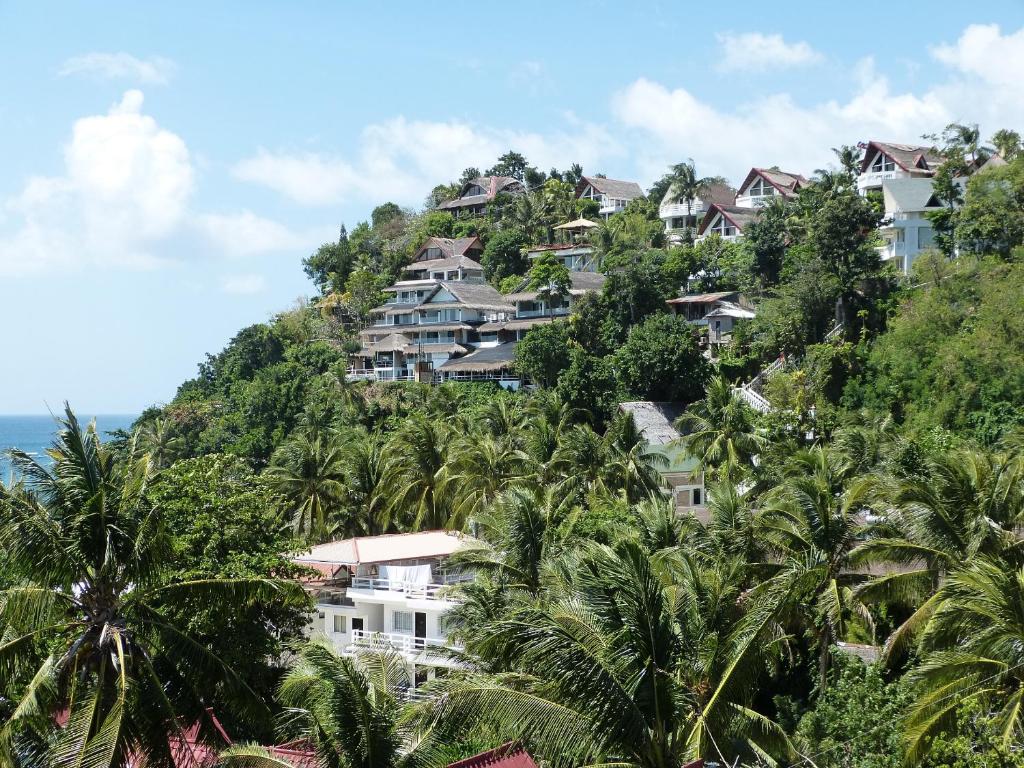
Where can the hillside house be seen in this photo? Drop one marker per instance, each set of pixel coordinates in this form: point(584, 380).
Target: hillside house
point(611, 194)
point(656, 420)
point(726, 221)
point(884, 161)
point(717, 312)
point(762, 185)
point(475, 194)
point(680, 215)
point(906, 228)
point(387, 591)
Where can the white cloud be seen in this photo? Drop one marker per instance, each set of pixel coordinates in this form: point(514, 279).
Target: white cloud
point(402, 159)
point(979, 85)
point(757, 52)
point(245, 233)
point(126, 185)
point(155, 70)
point(244, 284)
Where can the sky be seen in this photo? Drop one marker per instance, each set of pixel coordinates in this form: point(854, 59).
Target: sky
point(164, 168)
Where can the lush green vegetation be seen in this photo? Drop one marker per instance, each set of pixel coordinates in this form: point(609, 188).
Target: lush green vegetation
point(878, 504)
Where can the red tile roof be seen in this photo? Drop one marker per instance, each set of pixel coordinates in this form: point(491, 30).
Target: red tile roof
point(509, 755)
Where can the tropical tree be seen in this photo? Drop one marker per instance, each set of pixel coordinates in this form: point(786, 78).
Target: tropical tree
point(418, 459)
point(159, 439)
point(686, 186)
point(627, 665)
point(366, 491)
point(349, 711)
point(719, 431)
point(88, 628)
point(973, 651)
point(309, 473)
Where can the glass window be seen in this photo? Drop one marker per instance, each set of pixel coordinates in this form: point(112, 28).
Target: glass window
point(339, 623)
point(401, 622)
point(696, 497)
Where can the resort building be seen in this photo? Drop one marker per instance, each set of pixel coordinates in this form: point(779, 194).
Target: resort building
point(656, 420)
point(885, 161)
point(681, 215)
point(612, 195)
point(388, 591)
point(762, 185)
point(906, 230)
point(716, 313)
point(726, 221)
point(574, 250)
point(475, 194)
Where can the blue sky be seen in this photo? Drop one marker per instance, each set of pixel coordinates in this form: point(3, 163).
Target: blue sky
point(163, 170)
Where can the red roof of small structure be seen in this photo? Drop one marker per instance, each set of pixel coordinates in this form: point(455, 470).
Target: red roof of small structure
point(510, 755)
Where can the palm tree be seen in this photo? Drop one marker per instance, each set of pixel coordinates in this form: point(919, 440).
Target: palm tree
point(966, 504)
point(685, 187)
point(365, 485)
point(719, 431)
point(349, 711)
point(973, 650)
point(87, 636)
point(309, 473)
point(480, 468)
point(157, 438)
point(632, 467)
point(417, 467)
point(628, 664)
point(811, 524)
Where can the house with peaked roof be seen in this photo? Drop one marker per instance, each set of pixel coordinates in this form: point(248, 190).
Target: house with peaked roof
point(475, 194)
point(906, 229)
point(509, 755)
point(718, 312)
point(680, 215)
point(726, 221)
point(762, 185)
point(656, 422)
point(885, 160)
point(387, 591)
point(611, 194)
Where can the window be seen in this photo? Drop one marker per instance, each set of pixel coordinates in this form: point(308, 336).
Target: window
point(683, 497)
point(761, 188)
point(882, 163)
point(723, 227)
point(401, 622)
point(433, 253)
point(696, 497)
point(339, 623)
point(474, 189)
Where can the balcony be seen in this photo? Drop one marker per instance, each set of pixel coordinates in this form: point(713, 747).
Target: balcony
point(407, 588)
point(754, 201)
point(674, 210)
point(874, 179)
point(362, 638)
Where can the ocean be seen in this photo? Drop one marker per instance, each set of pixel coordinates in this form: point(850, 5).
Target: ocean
point(33, 434)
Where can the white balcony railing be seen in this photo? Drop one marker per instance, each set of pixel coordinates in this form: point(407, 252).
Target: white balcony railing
point(753, 201)
point(401, 643)
point(672, 210)
point(408, 588)
point(875, 178)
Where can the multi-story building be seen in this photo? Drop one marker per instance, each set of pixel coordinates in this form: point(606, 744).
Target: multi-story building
point(759, 188)
point(906, 229)
point(388, 591)
point(433, 316)
point(885, 161)
point(611, 195)
point(681, 215)
point(475, 194)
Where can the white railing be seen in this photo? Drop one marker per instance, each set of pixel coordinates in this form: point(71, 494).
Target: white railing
point(758, 402)
point(875, 178)
point(836, 332)
point(400, 642)
point(672, 210)
point(426, 591)
point(753, 201)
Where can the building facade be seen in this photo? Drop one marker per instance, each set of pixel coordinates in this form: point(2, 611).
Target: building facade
point(611, 195)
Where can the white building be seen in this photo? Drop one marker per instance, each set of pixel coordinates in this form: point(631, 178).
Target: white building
point(906, 229)
point(681, 215)
point(389, 590)
point(761, 186)
point(885, 161)
point(611, 195)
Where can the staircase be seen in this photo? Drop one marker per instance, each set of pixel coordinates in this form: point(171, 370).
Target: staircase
point(750, 393)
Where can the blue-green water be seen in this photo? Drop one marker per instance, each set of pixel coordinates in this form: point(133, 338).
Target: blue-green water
point(33, 434)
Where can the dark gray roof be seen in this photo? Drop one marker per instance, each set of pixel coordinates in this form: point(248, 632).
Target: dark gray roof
point(623, 190)
point(475, 296)
point(909, 157)
point(655, 419)
point(483, 359)
point(579, 283)
point(491, 185)
point(449, 246)
point(740, 217)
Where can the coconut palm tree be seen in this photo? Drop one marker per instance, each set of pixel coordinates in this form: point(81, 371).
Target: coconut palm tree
point(686, 186)
point(417, 467)
point(86, 637)
point(365, 485)
point(719, 431)
point(309, 473)
point(158, 439)
point(480, 467)
point(810, 524)
point(966, 504)
point(628, 665)
point(632, 467)
point(349, 711)
point(973, 650)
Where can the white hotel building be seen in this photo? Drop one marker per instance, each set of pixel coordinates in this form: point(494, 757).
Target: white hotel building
point(388, 590)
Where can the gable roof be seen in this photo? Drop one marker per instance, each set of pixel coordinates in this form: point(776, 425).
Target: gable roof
point(449, 246)
point(492, 186)
point(471, 295)
point(905, 195)
point(510, 755)
point(483, 359)
point(786, 183)
point(734, 214)
point(623, 190)
point(716, 192)
point(382, 549)
point(579, 283)
point(655, 419)
point(704, 298)
point(454, 262)
point(909, 157)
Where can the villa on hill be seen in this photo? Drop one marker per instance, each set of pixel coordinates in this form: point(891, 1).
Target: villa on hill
point(759, 188)
point(611, 195)
point(475, 194)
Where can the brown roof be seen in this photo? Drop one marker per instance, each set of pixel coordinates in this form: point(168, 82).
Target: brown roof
point(737, 216)
point(440, 327)
point(454, 262)
point(446, 346)
point(483, 359)
point(579, 283)
point(450, 246)
point(509, 755)
point(473, 295)
point(492, 185)
point(715, 192)
point(623, 190)
point(909, 157)
point(515, 325)
point(786, 183)
point(703, 298)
